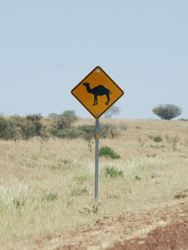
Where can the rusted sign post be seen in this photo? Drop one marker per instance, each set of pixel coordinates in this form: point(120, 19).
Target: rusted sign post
point(97, 92)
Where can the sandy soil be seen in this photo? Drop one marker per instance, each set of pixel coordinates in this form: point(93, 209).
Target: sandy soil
point(162, 228)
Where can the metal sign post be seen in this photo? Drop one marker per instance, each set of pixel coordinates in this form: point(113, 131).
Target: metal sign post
point(97, 92)
point(97, 129)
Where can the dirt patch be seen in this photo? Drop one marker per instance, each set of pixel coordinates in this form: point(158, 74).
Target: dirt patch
point(162, 228)
point(173, 236)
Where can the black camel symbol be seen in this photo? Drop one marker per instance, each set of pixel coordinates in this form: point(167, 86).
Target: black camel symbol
point(99, 90)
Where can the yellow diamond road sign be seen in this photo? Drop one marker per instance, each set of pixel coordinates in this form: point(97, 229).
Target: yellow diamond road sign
point(97, 92)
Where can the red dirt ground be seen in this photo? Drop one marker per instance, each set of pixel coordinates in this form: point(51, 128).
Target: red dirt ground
point(162, 228)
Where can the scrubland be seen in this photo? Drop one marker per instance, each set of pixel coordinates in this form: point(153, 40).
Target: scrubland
point(47, 186)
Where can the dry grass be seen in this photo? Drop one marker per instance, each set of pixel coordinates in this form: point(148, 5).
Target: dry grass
point(46, 187)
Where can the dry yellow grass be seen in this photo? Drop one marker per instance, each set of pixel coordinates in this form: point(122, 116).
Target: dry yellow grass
point(47, 187)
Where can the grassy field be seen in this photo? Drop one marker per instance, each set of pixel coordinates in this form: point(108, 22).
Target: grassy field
point(47, 187)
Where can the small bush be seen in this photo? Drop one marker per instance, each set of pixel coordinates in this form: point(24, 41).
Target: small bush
point(19, 203)
point(181, 194)
point(108, 153)
point(137, 178)
point(156, 138)
point(8, 129)
point(113, 172)
point(167, 111)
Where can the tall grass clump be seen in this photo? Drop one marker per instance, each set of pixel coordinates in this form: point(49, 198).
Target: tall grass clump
point(50, 196)
point(113, 172)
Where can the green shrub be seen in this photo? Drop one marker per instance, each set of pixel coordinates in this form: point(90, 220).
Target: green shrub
point(167, 111)
point(33, 125)
point(19, 203)
point(137, 178)
point(108, 153)
point(8, 129)
point(28, 130)
point(113, 172)
point(156, 138)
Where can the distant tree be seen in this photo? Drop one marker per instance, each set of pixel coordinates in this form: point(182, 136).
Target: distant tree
point(61, 122)
point(8, 129)
point(114, 110)
point(167, 111)
point(68, 118)
point(32, 126)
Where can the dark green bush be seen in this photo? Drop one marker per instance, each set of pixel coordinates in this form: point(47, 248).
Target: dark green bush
point(156, 138)
point(8, 129)
point(29, 126)
point(167, 111)
point(34, 124)
point(108, 153)
point(19, 203)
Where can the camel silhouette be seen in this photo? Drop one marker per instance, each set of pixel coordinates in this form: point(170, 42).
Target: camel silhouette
point(99, 90)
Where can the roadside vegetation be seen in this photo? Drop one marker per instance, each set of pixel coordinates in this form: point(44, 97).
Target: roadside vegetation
point(47, 186)
point(47, 171)
point(167, 111)
point(54, 126)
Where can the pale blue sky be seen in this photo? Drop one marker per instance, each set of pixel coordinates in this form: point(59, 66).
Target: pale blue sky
point(47, 47)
